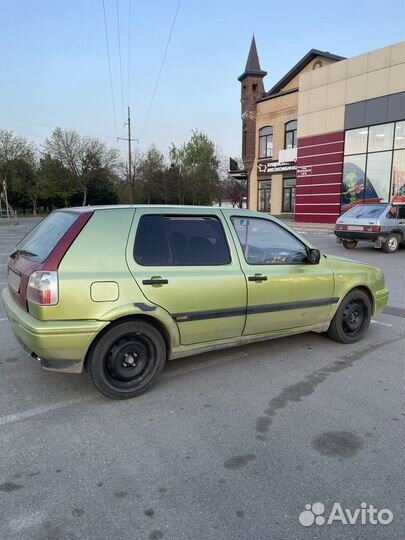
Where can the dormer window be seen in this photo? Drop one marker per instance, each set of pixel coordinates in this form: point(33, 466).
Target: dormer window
point(266, 142)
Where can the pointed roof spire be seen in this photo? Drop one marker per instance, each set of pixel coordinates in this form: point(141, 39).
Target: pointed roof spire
point(252, 64)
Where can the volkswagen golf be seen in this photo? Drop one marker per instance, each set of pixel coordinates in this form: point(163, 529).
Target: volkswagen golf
point(119, 290)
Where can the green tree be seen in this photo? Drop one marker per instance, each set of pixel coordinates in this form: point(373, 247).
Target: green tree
point(153, 178)
point(17, 168)
point(197, 164)
point(81, 156)
point(57, 182)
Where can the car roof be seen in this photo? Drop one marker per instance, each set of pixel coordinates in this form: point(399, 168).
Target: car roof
point(164, 207)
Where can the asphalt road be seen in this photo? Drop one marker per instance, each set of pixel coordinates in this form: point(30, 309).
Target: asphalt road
point(228, 445)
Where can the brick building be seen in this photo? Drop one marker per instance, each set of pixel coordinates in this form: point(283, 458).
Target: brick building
point(329, 134)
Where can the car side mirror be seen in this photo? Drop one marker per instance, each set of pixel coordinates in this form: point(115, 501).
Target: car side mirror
point(313, 256)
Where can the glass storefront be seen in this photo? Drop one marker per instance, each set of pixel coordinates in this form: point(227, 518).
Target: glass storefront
point(374, 164)
point(265, 195)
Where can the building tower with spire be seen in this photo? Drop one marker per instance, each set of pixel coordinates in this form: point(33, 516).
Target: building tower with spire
point(252, 88)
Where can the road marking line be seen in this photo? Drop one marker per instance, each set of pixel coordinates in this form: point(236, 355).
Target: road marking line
point(380, 323)
point(4, 319)
point(11, 418)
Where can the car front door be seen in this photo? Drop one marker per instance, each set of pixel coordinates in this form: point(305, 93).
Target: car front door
point(284, 289)
point(183, 261)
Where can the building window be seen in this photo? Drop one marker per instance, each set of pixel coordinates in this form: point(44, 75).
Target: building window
point(291, 134)
point(398, 174)
point(266, 142)
point(374, 164)
point(289, 194)
point(244, 139)
point(264, 196)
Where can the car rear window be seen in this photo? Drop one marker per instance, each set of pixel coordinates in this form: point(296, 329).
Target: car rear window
point(181, 241)
point(366, 211)
point(42, 240)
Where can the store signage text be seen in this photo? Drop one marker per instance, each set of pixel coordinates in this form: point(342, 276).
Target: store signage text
point(272, 167)
point(304, 170)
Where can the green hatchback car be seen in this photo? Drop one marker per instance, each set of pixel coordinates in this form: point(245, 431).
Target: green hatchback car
point(119, 290)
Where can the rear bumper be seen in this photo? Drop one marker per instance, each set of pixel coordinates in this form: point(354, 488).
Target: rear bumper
point(355, 235)
point(60, 345)
point(381, 300)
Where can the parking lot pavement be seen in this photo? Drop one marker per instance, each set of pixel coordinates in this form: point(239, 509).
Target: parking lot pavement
point(227, 445)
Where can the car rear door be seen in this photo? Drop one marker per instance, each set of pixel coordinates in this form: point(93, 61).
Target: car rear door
point(185, 262)
point(284, 289)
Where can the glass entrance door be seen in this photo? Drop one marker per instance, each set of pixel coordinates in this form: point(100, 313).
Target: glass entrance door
point(265, 196)
point(289, 194)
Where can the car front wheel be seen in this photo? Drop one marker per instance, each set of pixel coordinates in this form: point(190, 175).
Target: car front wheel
point(352, 318)
point(127, 359)
point(391, 244)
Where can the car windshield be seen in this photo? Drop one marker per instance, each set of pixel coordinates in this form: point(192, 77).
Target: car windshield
point(366, 211)
point(39, 243)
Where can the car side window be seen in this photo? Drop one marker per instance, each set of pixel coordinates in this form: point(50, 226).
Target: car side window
point(265, 242)
point(393, 212)
point(181, 241)
point(401, 212)
point(151, 242)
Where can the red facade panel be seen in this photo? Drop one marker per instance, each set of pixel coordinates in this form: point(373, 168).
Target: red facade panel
point(319, 177)
point(323, 158)
point(306, 151)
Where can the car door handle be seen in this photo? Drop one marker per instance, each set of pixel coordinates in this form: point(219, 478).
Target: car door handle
point(257, 277)
point(155, 280)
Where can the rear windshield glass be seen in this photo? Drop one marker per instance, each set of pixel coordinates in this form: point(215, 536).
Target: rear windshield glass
point(366, 211)
point(46, 235)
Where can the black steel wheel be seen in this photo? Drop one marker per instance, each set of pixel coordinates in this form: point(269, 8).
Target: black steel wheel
point(352, 318)
point(127, 359)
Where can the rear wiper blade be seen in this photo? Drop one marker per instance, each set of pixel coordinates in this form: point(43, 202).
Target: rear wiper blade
point(23, 252)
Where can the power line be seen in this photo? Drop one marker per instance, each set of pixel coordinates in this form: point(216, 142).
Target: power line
point(129, 49)
point(160, 70)
point(120, 57)
point(109, 69)
point(24, 121)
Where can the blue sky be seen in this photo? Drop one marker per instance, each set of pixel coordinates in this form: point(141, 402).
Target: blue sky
point(54, 69)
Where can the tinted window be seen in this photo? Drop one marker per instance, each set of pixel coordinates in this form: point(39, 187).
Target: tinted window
point(265, 242)
point(47, 234)
point(151, 244)
point(181, 241)
point(366, 211)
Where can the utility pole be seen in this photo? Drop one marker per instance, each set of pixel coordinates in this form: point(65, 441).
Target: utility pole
point(129, 150)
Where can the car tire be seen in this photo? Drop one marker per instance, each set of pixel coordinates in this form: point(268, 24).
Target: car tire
point(349, 244)
point(127, 359)
point(391, 244)
point(352, 318)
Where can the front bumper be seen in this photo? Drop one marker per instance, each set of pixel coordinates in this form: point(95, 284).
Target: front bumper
point(60, 345)
point(380, 300)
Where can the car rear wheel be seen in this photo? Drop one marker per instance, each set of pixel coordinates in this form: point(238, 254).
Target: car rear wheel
point(349, 244)
point(391, 244)
point(127, 359)
point(352, 318)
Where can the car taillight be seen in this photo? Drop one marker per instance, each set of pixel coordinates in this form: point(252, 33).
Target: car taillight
point(372, 228)
point(339, 227)
point(43, 288)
